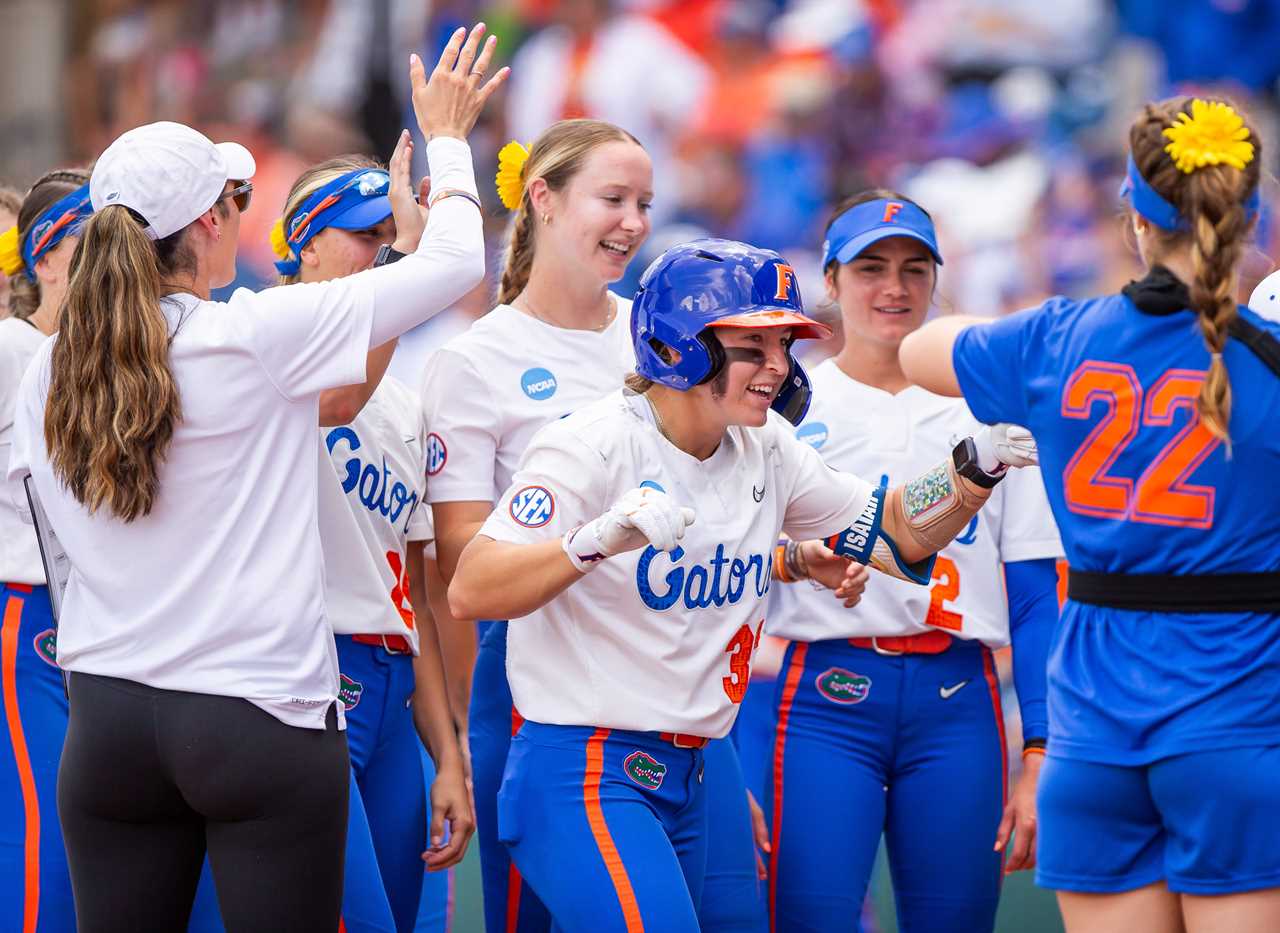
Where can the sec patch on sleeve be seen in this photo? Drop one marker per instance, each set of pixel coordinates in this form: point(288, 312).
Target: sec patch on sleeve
point(437, 454)
point(533, 506)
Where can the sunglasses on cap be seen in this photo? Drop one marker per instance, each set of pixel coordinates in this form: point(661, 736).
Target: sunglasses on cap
point(242, 195)
point(373, 182)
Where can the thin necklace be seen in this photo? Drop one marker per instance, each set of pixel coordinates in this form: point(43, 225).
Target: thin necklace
point(608, 316)
point(657, 419)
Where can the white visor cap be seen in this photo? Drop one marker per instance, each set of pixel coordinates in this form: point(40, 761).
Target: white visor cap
point(168, 173)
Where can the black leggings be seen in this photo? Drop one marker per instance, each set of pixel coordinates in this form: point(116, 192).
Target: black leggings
point(151, 778)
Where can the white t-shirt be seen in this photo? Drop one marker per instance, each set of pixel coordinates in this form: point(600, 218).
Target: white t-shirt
point(19, 552)
point(371, 485)
point(220, 589)
point(488, 390)
point(651, 640)
point(894, 438)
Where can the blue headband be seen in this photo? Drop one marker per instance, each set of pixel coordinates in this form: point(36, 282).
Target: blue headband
point(867, 223)
point(59, 220)
point(356, 200)
point(1150, 204)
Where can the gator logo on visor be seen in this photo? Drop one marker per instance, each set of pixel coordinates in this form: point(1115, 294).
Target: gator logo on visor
point(645, 770)
point(46, 645)
point(349, 692)
point(843, 687)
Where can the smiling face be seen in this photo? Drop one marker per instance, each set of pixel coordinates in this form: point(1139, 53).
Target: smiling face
point(333, 253)
point(757, 367)
point(885, 291)
point(601, 216)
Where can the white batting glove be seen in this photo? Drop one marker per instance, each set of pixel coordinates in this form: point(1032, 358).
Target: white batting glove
point(1005, 445)
point(643, 516)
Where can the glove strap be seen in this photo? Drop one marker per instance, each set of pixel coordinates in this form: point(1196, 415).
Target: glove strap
point(583, 547)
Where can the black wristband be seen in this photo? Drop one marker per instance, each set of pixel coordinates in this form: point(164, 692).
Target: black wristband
point(1034, 743)
point(965, 459)
point(387, 255)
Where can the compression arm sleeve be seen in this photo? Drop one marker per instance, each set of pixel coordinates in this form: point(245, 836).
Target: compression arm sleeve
point(1033, 614)
point(865, 541)
point(449, 261)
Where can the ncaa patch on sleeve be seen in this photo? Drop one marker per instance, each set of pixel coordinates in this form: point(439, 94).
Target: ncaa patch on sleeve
point(533, 506)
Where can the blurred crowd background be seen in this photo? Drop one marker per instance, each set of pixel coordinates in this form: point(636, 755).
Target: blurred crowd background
point(1005, 118)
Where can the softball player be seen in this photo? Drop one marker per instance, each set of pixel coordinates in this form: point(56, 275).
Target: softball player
point(1154, 411)
point(34, 884)
point(888, 713)
point(635, 624)
point(557, 341)
point(206, 715)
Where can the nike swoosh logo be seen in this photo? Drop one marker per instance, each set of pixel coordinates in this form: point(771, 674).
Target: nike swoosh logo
point(757, 494)
point(948, 692)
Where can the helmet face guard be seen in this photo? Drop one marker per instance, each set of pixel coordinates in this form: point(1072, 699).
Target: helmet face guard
point(795, 395)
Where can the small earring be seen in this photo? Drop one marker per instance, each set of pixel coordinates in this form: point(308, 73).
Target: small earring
point(546, 218)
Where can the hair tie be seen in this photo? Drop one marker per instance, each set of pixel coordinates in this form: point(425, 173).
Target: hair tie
point(510, 178)
point(1214, 134)
point(10, 252)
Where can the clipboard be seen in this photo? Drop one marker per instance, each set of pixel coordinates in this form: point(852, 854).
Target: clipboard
point(57, 565)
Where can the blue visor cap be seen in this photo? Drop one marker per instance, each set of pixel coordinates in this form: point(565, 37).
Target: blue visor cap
point(864, 224)
point(354, 201)
point(61, 219)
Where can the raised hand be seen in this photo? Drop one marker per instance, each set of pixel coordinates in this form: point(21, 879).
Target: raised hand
point(410, 215)
point(448, 103)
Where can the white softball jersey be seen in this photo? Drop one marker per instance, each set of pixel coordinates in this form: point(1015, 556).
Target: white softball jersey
point(372, 480)
point(488, 390)
point(892, 438)
point(19, 552)
point(652, 640)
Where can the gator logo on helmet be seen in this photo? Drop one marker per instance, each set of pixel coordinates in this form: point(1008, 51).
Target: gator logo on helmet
point(349, 691)
point(46, 645)
point(843, 687)
point(645, 770)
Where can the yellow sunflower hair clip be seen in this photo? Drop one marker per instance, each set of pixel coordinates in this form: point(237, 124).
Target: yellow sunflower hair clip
point(10, 252)
point(510, 180)
point(1214, 134)
point(279, 245)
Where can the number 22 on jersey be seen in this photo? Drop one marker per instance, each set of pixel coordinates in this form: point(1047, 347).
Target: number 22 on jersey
point(1161, 495)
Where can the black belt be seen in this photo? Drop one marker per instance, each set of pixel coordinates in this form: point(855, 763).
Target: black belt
point(1166, 592)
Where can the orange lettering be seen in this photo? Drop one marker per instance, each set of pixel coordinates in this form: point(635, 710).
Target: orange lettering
point(786, 281)
point(891, 211)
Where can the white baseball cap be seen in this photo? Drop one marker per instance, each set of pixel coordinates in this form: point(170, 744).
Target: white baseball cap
point(168, 173)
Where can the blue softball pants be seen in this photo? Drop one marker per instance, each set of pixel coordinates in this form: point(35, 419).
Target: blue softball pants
point(35, 885)
point(908, 746)
point(608, 826)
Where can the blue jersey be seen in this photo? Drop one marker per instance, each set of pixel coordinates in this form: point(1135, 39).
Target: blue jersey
point(1139, 486)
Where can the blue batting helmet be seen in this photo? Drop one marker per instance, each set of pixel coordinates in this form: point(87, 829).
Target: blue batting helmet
point(710, 283)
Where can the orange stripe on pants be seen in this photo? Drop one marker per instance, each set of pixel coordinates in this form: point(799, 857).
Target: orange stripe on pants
point(513, 898)
point(993, 685)
point(30, 805)
point(794, 673)
point(603, 838)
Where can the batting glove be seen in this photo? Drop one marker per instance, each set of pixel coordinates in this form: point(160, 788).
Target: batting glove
point(643, 516)
point(1005, 445)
